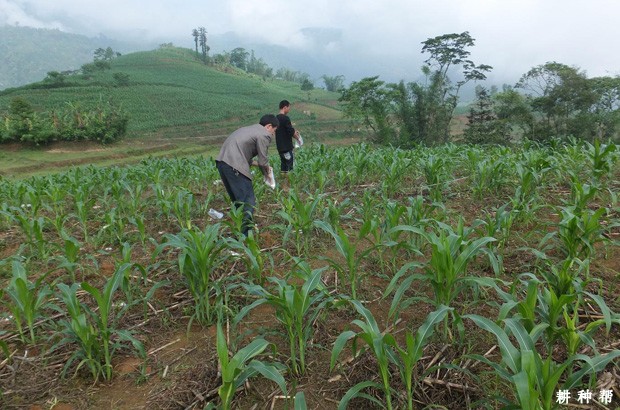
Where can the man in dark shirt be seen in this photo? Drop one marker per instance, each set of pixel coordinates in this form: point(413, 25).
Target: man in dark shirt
point(236, 157)
point(284, 137)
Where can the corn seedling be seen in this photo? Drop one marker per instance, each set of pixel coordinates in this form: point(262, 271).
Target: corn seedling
point(200, 254)
point(242, 366)
point(94, 330)
point(534, 379)
point(296, 307)
point(252, 256)
point(298, 214)
point(182, 209)
point(350, 269)
point(26, 301)
point(386, 350)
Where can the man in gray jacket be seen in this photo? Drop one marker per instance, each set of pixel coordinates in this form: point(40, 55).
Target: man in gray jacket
point(235, 158)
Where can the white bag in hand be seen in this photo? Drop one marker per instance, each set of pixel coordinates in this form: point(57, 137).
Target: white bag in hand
point(270, 180)
point(299, 141)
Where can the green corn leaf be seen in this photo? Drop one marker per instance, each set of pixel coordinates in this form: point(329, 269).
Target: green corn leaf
point(339, 344)
point(354, 392)
point(509, 353)
point(271, 373)
point(300, 401)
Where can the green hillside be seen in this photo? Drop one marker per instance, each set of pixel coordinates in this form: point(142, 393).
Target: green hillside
point(168, 87)
point(27, 54)
point(176, 106)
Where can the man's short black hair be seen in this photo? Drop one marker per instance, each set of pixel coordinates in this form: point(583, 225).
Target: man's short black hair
point(269, 119)
point(284, 103)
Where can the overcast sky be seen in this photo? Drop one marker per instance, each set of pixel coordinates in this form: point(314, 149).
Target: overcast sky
point(511, 35)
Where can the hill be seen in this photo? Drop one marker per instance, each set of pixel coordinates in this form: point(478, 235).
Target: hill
point(176, 106)
point(169, 87)
point(27, 53)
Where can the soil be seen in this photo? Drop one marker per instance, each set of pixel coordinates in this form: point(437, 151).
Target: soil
point(180, 370)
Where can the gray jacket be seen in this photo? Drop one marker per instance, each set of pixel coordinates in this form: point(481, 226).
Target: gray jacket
point(243, 145)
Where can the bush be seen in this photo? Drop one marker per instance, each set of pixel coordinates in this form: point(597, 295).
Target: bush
point(105, 123)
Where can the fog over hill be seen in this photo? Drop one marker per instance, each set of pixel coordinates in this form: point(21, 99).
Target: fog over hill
point(28, 54)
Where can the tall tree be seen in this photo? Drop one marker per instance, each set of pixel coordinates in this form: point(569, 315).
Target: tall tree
point(333, 83)
point(559, 94)
point(369, 101)
point(606, 108)
point(202, 40)
point(446, 52)
point(195, 34)
point(239, 58)
point(512, 108)
point(406, 114)
point(483, 125)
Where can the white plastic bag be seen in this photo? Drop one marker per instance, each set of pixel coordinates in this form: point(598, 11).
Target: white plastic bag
point(215, 214)
point(299, 141)
point(270, 180)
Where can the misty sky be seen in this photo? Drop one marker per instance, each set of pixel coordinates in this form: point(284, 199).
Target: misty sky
point(512, 36)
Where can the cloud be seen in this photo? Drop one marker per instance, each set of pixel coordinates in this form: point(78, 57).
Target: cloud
point(511, 35)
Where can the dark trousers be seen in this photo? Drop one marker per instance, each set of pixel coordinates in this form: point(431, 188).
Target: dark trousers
point(286, 161)
point(240, 191)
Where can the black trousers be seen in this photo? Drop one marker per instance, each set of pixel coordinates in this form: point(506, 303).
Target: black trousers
point(286, 161)
point(240, 191)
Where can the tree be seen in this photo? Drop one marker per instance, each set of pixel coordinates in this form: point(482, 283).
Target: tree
point(307, 85)
point(407, 114)
point(446, 52)
point(512, 108)
point(239, 58)
point(107, 54)
point(202, 40)
point(195, 34)
point(606, 109)
point(333, 83)
point(559, 94)
point(369, 101)
point(55, 78)
point(20, 119)
point(483, 125)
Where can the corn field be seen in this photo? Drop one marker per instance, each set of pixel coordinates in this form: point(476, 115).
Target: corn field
point(445, 277)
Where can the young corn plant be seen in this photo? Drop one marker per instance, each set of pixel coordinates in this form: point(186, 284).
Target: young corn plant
point(488, 176)
point(298, 214)
point(386, 351)
point(558, 313)
point(297, 307)
point(381, 345)
point(32, 227)
point(235, 221)
point(410, 354)
point(242, 366)
point(434, 171)
point(526, 199)
point(94, 330)
point(579, 234)
point(252, 256)
point(533, 379)
point(352, 260)
point(182, 209)
point(83, 204)
point(602, 159)
point(200, 254)
point(446, 272)
point(71, 255)
point(27, 300)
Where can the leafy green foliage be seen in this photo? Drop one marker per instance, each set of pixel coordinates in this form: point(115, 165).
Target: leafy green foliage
point(200, 253)
point(297, 308)
point(94, 331)
point(242, 366)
